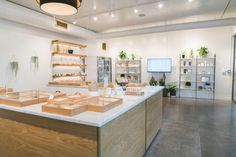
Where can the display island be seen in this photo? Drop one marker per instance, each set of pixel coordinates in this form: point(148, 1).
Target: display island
point(127, 130)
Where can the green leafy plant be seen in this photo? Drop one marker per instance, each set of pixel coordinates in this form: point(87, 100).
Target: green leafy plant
point(162, 82)
point(133, 56)
point(191, 53)
point(35, 62)
point(153, 82)
point(14, 67)
point(171, 87)
point(203, 51)
point(122, 55)
point(188, 84)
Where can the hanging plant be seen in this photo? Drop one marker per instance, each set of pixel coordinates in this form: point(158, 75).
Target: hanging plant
point(203, 51)
point(35, 62)
point(122, 55)
point(14, 67)
point(182, 53)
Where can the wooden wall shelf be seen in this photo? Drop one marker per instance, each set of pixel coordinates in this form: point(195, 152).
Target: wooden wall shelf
point(71, 76)
point(82, 83)
point(70, 65)
point(68, 54)
point(60, 42)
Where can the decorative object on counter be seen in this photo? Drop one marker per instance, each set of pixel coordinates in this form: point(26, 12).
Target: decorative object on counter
point(14, 67)
point(171, 87)
point(26, 98)
point(55, 7)
point(203, 51)
point(153, 82)
point(75, 104)
point(182, 53)
point(122, 55)
point(35, 61)
point(136, 91)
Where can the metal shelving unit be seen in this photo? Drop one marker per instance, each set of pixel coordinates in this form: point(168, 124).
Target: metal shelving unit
point(104, 65)
point(197, 78)
point(130, 69)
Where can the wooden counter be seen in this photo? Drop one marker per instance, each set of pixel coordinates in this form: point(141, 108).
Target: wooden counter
point(128, 135)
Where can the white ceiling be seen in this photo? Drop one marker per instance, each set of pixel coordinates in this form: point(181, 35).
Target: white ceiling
point(173, 12)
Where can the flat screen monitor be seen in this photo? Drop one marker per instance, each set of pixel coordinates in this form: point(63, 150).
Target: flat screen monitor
point(159, 65)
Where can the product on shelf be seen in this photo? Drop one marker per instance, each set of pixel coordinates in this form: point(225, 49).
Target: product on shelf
point(134, 91)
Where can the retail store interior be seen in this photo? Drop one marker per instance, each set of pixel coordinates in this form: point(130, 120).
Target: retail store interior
point(127, 78)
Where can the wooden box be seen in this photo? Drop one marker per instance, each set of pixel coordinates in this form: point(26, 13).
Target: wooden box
point(75, 104)
point(26, 98)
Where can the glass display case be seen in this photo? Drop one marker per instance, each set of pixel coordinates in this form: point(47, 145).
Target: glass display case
point(104, 65)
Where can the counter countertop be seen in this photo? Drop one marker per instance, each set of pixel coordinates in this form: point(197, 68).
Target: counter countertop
point(88, 117)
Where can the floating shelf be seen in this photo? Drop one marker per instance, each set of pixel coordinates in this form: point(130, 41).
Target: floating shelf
point(70, 76)
point(82, 83)
point(60, 42)
point(70, 65)
point(68, 54)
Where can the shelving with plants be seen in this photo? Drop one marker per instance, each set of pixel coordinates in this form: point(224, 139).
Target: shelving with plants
point(197, 75)
point(67, 62)
point(128, 69)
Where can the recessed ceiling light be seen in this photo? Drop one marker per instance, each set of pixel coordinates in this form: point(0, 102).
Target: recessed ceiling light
point(190, 0)
point(95, 18)
point(160, 5)
point(135, 10)
point(112, 14)
point(94, 7)
point(74, 22)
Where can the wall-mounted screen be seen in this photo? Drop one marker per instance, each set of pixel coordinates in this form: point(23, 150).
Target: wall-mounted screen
point(159, 65)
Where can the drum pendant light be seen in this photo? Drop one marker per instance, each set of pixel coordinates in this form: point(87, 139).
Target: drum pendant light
point(60, 7)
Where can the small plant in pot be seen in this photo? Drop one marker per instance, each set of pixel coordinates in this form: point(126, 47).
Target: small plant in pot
point(203, 52)
point(163, 83)
point(191, 53)
point(188, 84)
point(182, 53)
point(122, 55)
point(153, 82)
point(171, 87)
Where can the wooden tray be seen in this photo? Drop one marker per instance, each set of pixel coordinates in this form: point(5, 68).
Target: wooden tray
point(26, 98)
point(5, 90)
point(75, 104)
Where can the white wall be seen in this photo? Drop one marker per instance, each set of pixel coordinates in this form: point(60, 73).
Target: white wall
point(169, 44)
point(20, 42)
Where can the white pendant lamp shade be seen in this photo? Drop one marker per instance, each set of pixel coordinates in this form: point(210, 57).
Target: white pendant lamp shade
point(60, 7)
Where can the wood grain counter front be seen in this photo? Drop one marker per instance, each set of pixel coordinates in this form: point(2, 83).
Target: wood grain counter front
point(129, 135)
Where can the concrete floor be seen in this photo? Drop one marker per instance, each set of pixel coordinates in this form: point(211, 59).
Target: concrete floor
point(196, 129)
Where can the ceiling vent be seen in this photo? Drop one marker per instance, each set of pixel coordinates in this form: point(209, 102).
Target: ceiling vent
point(61, 24)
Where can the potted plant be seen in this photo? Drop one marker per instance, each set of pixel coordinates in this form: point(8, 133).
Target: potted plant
point(153, 82)
point(182, 53)
point(133, 56)
point(203, 51)
point(122, 55)
point(171, 87)
point(191, 53)
point(163, 83)
point(188, 84)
